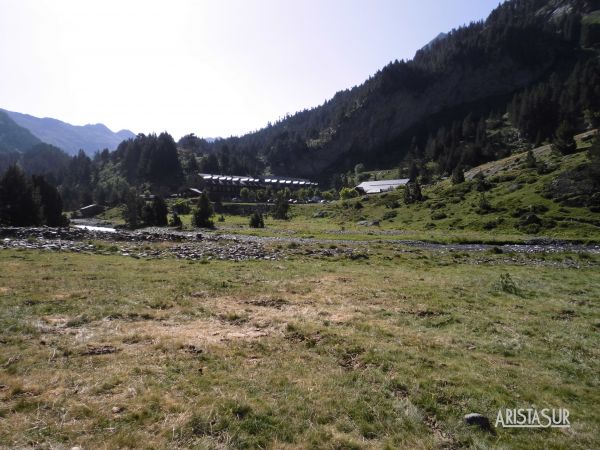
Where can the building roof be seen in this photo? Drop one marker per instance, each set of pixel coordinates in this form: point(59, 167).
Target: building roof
point(375, 187)
point(249, 181)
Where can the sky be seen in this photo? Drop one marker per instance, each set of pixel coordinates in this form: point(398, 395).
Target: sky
point(214, 68)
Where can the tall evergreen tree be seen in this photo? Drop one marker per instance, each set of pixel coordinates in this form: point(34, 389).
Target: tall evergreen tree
point(563, 141)
point(18, 205)
point(50, 202)
point(159, 208)
point(281, 207)
point(133, 209)
point(201, 216)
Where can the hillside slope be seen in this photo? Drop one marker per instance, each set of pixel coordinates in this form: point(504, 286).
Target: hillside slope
point(510, 200)
point(70, 138)
point(473, 70)
point(14, 138)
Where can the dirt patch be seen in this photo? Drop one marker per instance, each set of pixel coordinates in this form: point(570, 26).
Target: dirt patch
point(101, 350)
point(277, 303)
point(198, 332)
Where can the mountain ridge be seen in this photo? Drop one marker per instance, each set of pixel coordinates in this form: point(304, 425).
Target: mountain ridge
point(476, 63)
point(70, 138)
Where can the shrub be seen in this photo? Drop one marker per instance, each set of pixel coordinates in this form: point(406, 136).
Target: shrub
point(175, 220)
point(181, 207)
point(484, 204)
point(347, 193)
point(458, 175)
point(483, 185)
point(530, 161)
point(389, 215)
point(506, 284)
point(256, 220)
point(412, 193)
point(438, 215)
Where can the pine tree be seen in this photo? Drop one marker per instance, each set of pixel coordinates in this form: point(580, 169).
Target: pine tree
point(281, 207)
point(159, 208)
point(201, 216)
point(256, 220)
point(148, 217)
point(563, 141)
point(18, 205)
point(133, 209)
point(50, 202)
point(458, 176)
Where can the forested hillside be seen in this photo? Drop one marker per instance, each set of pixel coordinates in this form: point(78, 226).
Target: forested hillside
point(535, 59)
point(528, 74)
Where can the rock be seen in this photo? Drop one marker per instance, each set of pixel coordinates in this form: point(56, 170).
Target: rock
point(117, 409)
point(480, 420)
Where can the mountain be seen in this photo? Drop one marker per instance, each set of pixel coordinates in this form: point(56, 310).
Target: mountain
point(14, 138)
point(540, 56)
point(70, 138)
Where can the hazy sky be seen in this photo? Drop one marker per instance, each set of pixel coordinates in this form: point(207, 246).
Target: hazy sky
point(214, 68)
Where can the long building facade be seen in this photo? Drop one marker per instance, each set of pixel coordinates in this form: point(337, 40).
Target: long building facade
point(231, 185)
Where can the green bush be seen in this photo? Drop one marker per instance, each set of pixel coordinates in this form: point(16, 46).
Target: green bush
point(347, 193)
point(257, 221)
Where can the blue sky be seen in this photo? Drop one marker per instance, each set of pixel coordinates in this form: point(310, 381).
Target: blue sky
point(214, 68)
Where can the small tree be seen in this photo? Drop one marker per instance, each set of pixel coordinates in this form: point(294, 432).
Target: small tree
point(412, 193)
point(413, 171)
point(563, 140)
point(484, 204)
point(50, 202)
point(256, 220)
point(133, 209)
point(458, 175)
point(530, 161)
point(281, 208)
point(348, 193)
point(148, 217)
point(175, 221)
point(359, 168)
point(159, 208)
point(244, 193)
point(18, 204)
point(482, 184)
point(202, 214)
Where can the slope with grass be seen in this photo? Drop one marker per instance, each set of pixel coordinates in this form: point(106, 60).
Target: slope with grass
point(509, 201)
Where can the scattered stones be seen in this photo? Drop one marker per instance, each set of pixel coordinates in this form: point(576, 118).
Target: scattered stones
point(208, 246)
point(117, 409)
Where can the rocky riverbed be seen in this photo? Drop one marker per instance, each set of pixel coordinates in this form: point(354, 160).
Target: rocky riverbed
point(208, 245)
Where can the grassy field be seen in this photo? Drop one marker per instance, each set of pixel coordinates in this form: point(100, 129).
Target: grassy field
point(388, 351)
